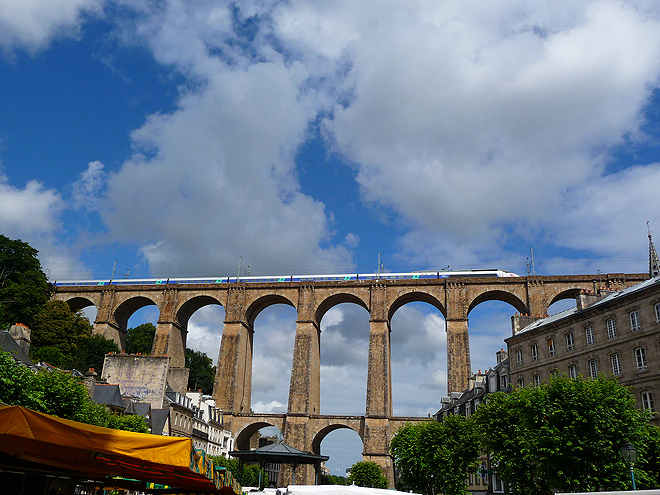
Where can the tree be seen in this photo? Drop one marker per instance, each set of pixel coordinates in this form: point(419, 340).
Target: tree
point(566, 435)
point(433, 457)
point(245, 474)
point(24, 287)
point(57, 326)
point(91, 351)
point(202, 371)
point(140, 339)
point(368, 474)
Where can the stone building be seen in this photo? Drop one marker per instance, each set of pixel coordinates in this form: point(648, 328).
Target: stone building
point(608, 332)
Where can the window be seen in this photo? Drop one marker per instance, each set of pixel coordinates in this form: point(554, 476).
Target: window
point(616, 364)
point(593, 368)
point(554, 372)
point(611, 328)
point(589, 331)
point(657, 312)
point(640, 358)
point(551, 347)
point(519, 358)
point(535, 352)
point(634, 321)
point(647, 401)
point(572, 371)
point(521, 382)
point(537, 380)
point(503, 382)
point(569, 341)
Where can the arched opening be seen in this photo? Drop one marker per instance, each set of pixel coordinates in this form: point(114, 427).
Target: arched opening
point(250, 437)
point(135, 312)
point(489, 325)
point(205, 330)
point(419, 358)
point(342, 445)
point(274, 335)
point(563, 301)
point(344, 359)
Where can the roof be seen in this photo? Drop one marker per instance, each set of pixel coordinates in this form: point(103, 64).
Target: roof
point(8, 344)
point(278, 452)
point(138, 408)
point(108, 395)
point(159, 420)
point(629, 291)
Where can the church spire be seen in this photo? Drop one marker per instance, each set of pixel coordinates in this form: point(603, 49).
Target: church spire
point(654, 261)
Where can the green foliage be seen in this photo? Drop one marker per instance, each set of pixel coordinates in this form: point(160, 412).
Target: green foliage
point(202, 371)
point(23, 285)
point(331, 479)
point(566, 435)
point(368, 474)
point(245, 474)
point(140, 339)
point(49, 354)
point(432, 457)
point(91, 351)
point(57, 326)
point(60, 394)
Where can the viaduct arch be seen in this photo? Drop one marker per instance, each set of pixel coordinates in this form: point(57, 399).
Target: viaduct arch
point(303, 425)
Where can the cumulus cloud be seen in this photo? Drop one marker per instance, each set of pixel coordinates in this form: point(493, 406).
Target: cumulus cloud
point(85, 192)
point(32, 24)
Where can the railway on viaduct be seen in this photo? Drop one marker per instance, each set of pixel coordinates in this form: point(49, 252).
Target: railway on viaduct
point(303, 425)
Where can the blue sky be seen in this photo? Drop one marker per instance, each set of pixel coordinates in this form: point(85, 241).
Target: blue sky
point(308, 136)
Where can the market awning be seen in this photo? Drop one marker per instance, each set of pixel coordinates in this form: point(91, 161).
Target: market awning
point(28, 438)
point(278, 452)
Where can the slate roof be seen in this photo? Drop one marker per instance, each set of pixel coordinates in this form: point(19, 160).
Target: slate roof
point(158, 420)
point(108, 395)
point(9, 345)
point(138, 408)
point(652, 282)
point(278, 452)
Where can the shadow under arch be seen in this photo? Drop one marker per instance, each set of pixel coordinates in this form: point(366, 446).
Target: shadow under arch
point(243, 437)
point(126, 309)
point(324, 432)
point(499, 295)
point(78, 303)
point(189, 308)
point(415, 297)
point(328, 303)
point(262, 303)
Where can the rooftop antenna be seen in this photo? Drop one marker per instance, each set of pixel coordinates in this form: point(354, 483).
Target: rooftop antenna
point(531, 251)
point(380, 265)
point(240, 263)
point(528, 266)
point(127, 273)
point(113, 271)
point(654, 261)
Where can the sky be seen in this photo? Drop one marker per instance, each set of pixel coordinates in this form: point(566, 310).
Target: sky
point(173, 138)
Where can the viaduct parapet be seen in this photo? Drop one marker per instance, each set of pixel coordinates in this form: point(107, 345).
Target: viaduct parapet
point(455, 298)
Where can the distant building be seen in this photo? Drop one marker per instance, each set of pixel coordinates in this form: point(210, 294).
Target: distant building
point(615, 333)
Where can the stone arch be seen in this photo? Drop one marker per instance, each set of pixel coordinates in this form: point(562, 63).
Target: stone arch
point(324, 432)
point(262, 303)
point(329, 302)
point(499, 295)
point(125, 310)
point(189, 307)
point(246, 432)
point(565, 294)
point(415, 296)
point(78, 303)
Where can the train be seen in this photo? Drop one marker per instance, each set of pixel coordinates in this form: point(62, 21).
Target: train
point(344, 277)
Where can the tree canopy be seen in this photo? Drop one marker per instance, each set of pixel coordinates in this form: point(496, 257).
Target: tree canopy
point(202, 371)
point(24, 287)
point(433, 457)
point(369, 474)
point(566, 436)
point(140, 339)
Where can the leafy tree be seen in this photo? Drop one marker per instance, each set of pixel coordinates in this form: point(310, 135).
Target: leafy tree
point(57, 326)
point(17, 384)
point(202, 371)
point(23, 285)
point(369, 474)
point(245, 474)
point(91, 351)
point(566, 435)
point(433, 457)
point(331, 479)
point(140, 339)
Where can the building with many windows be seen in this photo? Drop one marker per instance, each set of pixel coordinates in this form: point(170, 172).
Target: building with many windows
point(614, 333)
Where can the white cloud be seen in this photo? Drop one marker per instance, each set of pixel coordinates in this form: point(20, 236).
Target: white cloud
point(32, 24)
point(85, 192)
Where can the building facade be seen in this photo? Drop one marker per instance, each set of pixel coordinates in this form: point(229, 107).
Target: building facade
point(614, 333)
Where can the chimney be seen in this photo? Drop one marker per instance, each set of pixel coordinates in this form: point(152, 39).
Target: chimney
point(21, 334)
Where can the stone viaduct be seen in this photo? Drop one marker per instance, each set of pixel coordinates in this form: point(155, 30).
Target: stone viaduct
point(303, 425)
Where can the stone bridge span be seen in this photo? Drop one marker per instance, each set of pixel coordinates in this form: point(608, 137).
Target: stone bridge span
point(455, 298)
